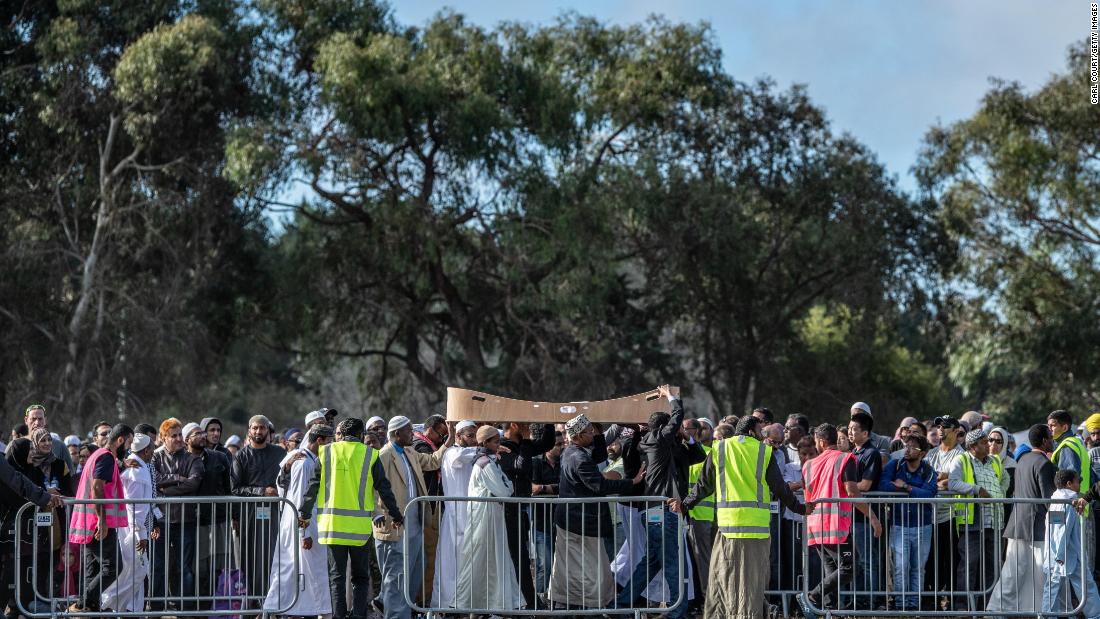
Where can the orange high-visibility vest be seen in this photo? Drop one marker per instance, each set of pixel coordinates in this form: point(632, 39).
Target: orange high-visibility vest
point(82, 525)
point(831, 522)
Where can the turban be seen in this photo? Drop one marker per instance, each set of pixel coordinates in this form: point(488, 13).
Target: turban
point(1093, 422)
point(141, 441)
point(462, 425)
point(484, 433)
point(973, 436)
point(397, 423)
point(577, 425)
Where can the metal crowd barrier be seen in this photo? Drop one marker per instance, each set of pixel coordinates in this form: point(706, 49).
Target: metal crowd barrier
point(216, 560)
point(958, 571)
point(548, 557)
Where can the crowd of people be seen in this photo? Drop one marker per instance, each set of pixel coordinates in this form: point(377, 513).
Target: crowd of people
point(741, 498)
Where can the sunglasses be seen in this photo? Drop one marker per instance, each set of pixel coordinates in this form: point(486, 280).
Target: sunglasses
point(996, 440)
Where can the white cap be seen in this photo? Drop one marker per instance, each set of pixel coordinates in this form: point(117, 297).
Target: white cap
point(141, 441)
point(374, 420)
point(862, 406)
point(397, 423)
point(314, 416)
point(72, 439)
point(189, 428)
point(233, 441)
point(462, 425)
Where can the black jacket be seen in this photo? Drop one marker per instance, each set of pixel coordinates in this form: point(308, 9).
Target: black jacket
point(1034, 480)
point(581, 479)
point(667, 458)
point(178, 475)
point(215, 482)
point(433, 480)
point(517, 465)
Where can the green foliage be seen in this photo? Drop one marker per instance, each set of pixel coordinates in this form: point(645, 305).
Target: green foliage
point(578, 210)
point(1018, 184)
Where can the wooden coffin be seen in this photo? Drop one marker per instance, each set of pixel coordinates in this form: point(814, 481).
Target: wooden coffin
point(481, 406)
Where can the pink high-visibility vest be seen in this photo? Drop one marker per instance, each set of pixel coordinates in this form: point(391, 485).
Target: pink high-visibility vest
point(82, 525)
point(831, 522)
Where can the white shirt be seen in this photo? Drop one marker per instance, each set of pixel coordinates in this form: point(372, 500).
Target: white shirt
point(137, 483)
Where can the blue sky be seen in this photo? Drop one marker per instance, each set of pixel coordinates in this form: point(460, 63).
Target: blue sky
point(883, 71)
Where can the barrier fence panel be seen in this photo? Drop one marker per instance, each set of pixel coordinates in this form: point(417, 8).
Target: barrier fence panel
point(946, 556)
point(574, 555)
point(208, 556)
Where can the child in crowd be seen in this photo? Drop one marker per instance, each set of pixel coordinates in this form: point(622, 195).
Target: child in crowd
point(1063, 560)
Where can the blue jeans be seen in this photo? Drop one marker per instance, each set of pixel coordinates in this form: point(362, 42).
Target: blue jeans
point(173, 560)
point(868, 567)
point(544, 557)
point(910, 546)
point(391, 559)
point(661, 546)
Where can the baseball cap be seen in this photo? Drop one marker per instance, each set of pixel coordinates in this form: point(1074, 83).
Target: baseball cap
point(946, 421)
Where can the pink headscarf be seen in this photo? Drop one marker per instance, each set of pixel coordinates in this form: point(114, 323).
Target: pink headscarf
point(905, 423)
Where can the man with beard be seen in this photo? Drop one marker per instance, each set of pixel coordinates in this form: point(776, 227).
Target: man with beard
point(253, 474)
point(516, 464)
point(178, 475)
point(93, 526)
point(457, 469)
point(404, 469)
point(213, 537)
point(426, 442)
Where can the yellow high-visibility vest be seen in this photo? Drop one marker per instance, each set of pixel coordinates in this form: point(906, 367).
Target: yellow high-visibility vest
point(964, 512)
point(704, 510)
point(742, 495)
point(345, 501)
point(1076, 445)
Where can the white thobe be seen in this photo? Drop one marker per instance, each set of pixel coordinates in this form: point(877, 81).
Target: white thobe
point(313, 592)
point(487, 578)
point(457, 469)
point(127, 592)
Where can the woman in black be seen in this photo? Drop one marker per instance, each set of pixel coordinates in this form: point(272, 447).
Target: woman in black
point(32, 464)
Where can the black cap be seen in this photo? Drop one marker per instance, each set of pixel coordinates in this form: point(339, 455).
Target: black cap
point(329, 412)
point(947, 421)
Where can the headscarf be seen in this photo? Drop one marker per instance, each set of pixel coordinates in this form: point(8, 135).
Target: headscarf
point(905, 423)
point(38, 458)
point(17, 453)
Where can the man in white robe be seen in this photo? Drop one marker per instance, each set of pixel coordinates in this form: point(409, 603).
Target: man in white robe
point(457, 469)
point(487, 578)
point(313, 592)
point(127, 592)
